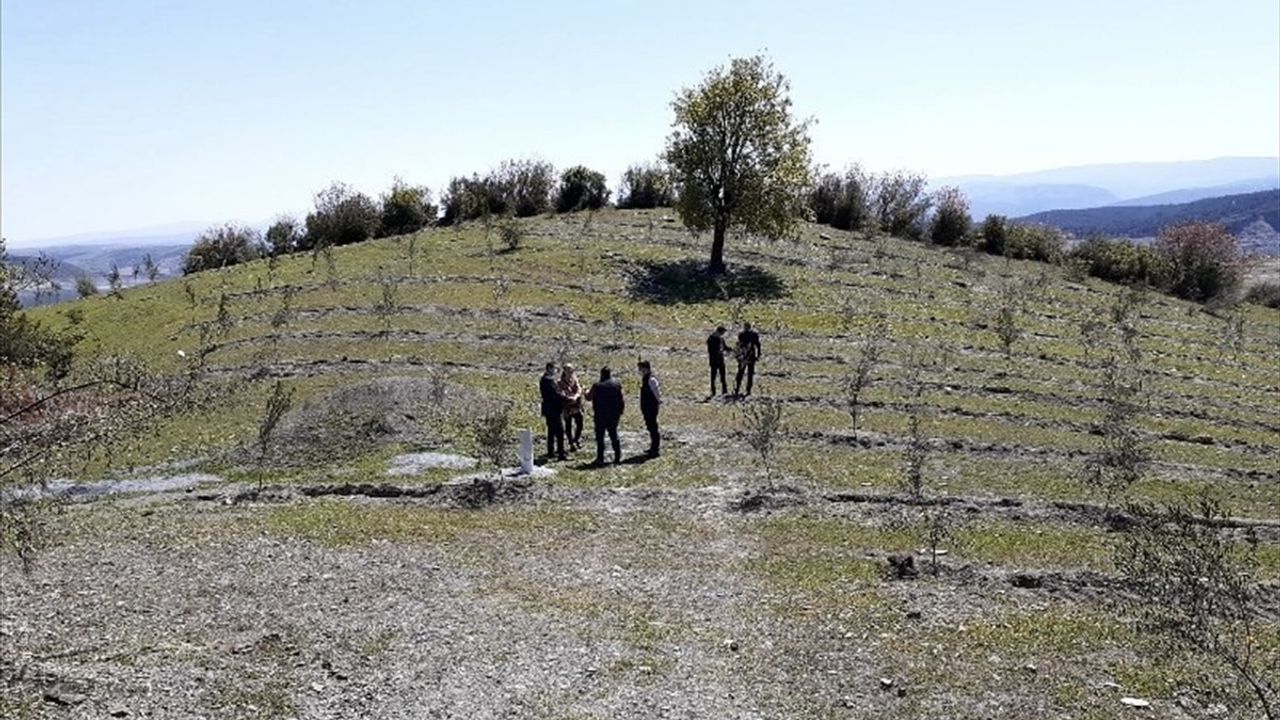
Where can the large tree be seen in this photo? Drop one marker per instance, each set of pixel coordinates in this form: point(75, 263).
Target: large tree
point(739, 159)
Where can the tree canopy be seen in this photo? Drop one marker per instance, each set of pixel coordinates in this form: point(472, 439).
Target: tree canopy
point(739, 158)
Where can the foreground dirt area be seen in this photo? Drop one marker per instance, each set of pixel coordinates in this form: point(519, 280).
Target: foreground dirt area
point(570, 602)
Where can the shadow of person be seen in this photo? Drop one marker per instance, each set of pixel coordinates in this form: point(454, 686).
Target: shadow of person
point(637, 459)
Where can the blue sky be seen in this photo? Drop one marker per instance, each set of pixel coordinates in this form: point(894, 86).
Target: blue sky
point(126, 114)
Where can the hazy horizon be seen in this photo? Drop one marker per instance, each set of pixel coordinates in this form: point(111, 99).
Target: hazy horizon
point(150, 115)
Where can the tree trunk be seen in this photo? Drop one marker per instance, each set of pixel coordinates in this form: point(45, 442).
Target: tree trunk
point(717, 249)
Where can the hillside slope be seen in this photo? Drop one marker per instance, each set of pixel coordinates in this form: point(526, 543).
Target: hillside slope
point(681, 582)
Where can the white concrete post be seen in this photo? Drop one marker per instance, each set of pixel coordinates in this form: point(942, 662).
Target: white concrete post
point(526, 452)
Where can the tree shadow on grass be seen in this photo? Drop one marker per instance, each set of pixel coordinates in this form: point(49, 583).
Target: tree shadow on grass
point(688, 281)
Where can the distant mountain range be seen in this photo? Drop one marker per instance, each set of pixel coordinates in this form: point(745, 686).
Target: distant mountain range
point(1089, 186)
point(94, 261)
point(1253, 217)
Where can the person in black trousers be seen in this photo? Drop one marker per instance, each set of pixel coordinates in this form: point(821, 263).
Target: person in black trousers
point(553, 412)
point(650, 401)
point(749, 351)
point(716, 350)
point(607, 404)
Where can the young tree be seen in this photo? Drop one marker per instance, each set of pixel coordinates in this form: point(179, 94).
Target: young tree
point(342, 216)
point(1203, 260)
point(1195, 588)
point(860, 377)
point(149, 268)
point(739, 158)
point(85, 287)
point(276, 408)
point(222, 246)
point(581, 188)
point(406, 209)
point(761, 426)
point(115, 282)
point(284, 236)
point(951, 219)
point(644, 186)
point(901, 202)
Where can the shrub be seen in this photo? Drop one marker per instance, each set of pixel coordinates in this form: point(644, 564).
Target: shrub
point(951, 219)
point(646, 185)
point(222, 246)
point(406, 209)
point(1033, 242)
point(1120, 261)
point(581, 189)
point(995, 231)
point(284, 236)
point(1203, 259)
point(1265, 293)
point(342, 216)
point(469, 198)
point(516, 187)
point(901, 203)
point(842, 200)
point(527, 185)
point(85, 286)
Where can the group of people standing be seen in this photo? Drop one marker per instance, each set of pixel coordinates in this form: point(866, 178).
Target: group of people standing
point(563, 403)
point(564, 400)
point(747, 353)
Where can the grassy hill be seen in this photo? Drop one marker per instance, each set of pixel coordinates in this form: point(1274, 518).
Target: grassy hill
point(674, 583)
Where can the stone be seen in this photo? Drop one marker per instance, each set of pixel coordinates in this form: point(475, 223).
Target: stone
point(886, 683)
point(64, 694)
point(526, 451)
point(1134, 702)
point(902, 567)
point(1026, 580)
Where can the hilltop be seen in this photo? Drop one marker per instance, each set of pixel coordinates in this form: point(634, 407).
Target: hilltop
point(365, 579)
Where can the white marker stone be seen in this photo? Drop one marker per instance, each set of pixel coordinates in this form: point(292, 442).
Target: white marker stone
point(526, 452)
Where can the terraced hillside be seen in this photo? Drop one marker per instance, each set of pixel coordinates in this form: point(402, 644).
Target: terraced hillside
point(363, 580)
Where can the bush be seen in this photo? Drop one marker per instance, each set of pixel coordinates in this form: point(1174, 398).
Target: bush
point(901, 203)
point(1034, 242)
point(342, 217)
point(284, 236)
point(842, 200)
point(406, 209)
point(581, 189)
point(85, 286)
point(1265, 293)
point(1120, 261)
point(468, 199)
point(516, 187)
point(527, 185)
point(222, 246)
point(1203, 259)
point(995, 231)
point(1022, 242)
point(644, 186)
point(951, 221)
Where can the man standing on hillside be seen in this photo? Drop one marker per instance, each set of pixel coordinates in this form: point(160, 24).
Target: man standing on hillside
point(716, 350)
point(552, 412)
point(607, 405)
point(650, 401)
point(749, 351)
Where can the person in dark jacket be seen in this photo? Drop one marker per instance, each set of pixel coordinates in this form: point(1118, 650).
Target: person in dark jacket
point(552, 412)
point(650, 401)
point(716, 350)
point(607, 404)
point(748, 352)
